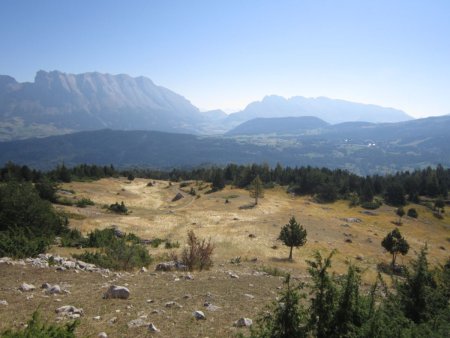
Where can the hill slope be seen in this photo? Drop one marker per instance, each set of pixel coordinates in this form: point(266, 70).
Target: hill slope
point(363, 148)
point(280, 125)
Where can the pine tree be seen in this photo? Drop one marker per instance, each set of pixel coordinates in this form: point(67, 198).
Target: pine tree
point(256, 189)
point(293, 235)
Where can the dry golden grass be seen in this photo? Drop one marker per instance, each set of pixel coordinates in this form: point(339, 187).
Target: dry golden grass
point(153, 214)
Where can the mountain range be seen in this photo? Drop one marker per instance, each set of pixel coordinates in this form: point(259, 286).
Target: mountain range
point(59, 103)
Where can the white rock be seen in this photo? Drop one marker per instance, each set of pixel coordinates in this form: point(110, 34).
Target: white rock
point(96, 318)
point(137, 323)
point(143, 269)
point(243, 322)
point(54, 289)
point(27, 287)
point(153, 328)
point(102, 335)
point(199, 315)
point(249, 295)
point(3, 302)
point(115, 291)
point(233, 275)
point(70, 311)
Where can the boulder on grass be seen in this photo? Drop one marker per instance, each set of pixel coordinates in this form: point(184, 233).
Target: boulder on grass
point(114, 291)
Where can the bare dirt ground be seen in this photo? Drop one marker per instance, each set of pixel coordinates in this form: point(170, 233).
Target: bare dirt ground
point(154, 215)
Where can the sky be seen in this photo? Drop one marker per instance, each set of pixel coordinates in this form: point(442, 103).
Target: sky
point(226, 54)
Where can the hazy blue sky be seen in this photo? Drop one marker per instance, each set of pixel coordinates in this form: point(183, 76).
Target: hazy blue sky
point(225, 54)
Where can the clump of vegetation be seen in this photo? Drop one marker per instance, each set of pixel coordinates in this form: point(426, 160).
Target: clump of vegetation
point(171, 245)
point(36, 328)
point(418, 307)
point(192, 192)
point(84, 202)
point(118, 208)
point(73, 238)
point(28, 224)
point(274, 271)
point(412, 213)
point(293, 235)
point(156, 242)
point(118, 255)
point(371, 205)
point(198, 254)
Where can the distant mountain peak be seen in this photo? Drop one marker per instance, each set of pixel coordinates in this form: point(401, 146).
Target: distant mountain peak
point(329, 110)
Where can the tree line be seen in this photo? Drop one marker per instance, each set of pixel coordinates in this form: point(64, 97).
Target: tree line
point(326, 184)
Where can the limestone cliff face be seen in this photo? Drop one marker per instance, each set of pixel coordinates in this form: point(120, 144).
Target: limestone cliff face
point(92, 101)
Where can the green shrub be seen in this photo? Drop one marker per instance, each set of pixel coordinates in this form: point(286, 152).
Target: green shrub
point(156, 242)
point(84, 202)
point(118, 255)
point(370, 205)
point(171, 245)
point(412, 213)
point(73, 238)
point(118, 208)
point(21, 243)
point(28, 224)
point(37, 329)
point(101, 238)
point(184, 184)
point(65, 201)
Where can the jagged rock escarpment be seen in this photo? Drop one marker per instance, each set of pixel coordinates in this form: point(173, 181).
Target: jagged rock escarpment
point(57, 103)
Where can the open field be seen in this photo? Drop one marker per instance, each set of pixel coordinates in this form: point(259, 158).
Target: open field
point(154, 215)
point(229, 226)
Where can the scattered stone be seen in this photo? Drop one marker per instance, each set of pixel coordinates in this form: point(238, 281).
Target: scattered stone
point(173, 304)
point(249, 296)
point(348, 240)
point(359, 257)
point(70, 311)
point(177, 197)
point(368, 212)
point(352, 220)
point(143, 269)
point(442, 247)
point(150, 300)
point(153, 328)
point(115, 291)
point(3, 302)
point(252, 236)
point(233, 275)
point(345, 225)
point(54, 289)
point(187, 296)
point(113, 320)
point(254, 260)
point(137, 323)
point(27, 287)
point(46, 286)
point(170, 266)
point(212, 308)
point(102, 335)
point(199, 315)
point(189, 277)
point(96, 318)
point(243, 322)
